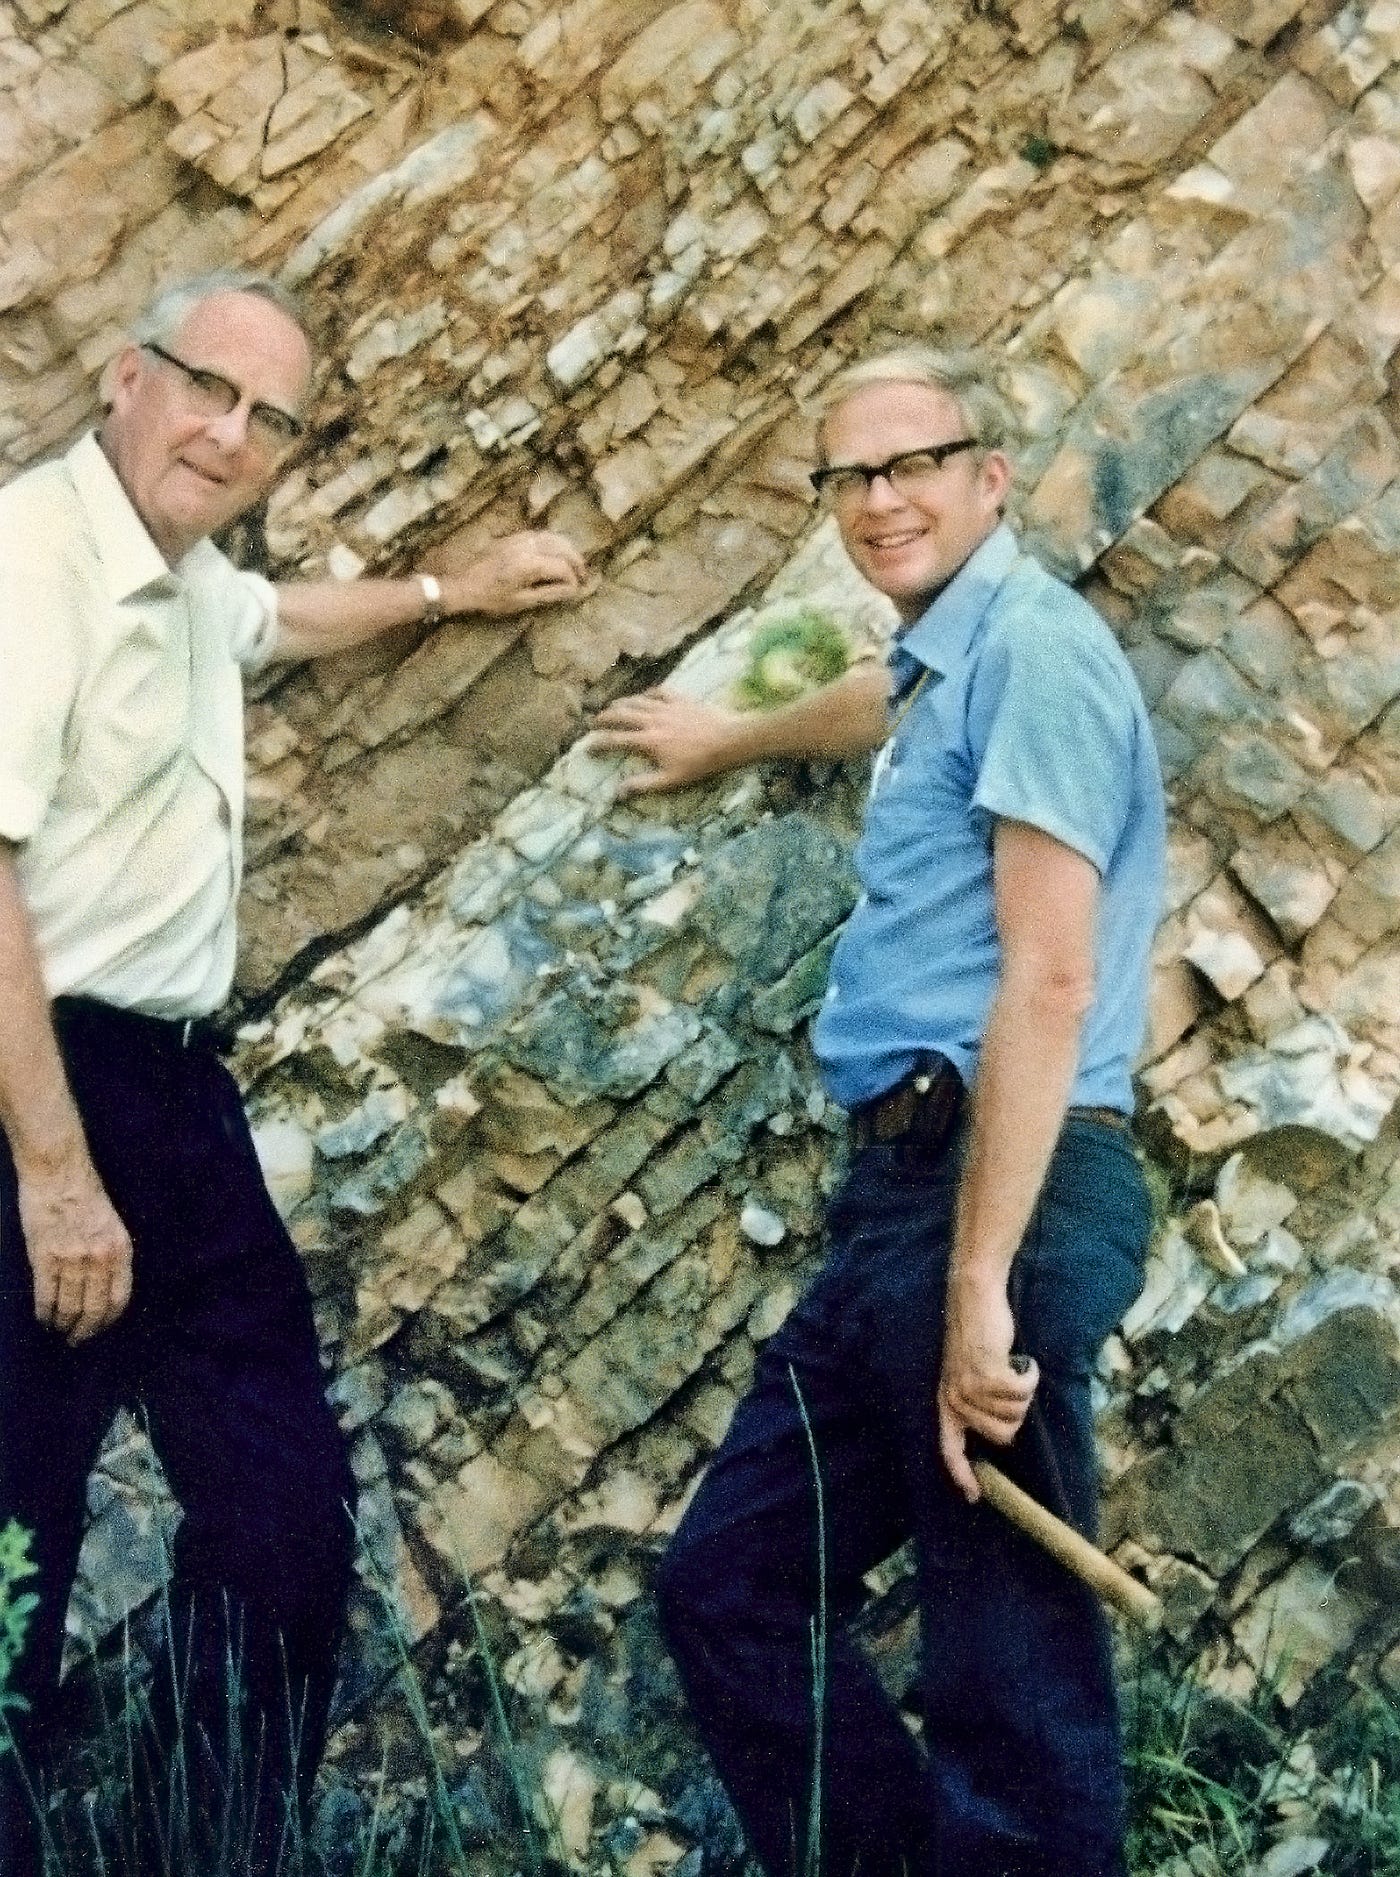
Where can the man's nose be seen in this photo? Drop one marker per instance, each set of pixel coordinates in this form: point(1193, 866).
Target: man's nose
point(230, 429)
point(881, 494)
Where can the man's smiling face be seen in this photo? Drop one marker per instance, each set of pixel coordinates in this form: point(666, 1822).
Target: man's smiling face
point(910, 544)
point(189, 472)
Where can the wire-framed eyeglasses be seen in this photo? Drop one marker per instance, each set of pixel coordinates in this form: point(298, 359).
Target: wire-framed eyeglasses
point(213, 395)
point(909, 473)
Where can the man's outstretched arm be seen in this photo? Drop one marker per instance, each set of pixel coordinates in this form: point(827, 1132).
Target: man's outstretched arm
point(686, 739)
point(79, 1250)
point(319, 617)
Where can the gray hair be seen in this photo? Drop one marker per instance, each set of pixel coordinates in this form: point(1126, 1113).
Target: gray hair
point(968, 377)
point(161, 318)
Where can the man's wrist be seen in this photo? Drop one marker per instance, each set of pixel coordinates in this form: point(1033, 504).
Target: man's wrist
point(431, 588)
point(47, 1139)
point(977, 1274)
point(59, 1160)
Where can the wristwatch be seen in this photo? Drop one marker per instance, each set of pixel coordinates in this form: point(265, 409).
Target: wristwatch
point(432, 599)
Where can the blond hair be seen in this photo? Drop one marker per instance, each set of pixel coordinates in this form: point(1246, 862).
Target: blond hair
point(967, 376)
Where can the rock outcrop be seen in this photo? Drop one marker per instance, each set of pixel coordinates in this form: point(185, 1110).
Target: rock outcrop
point(528, 1064)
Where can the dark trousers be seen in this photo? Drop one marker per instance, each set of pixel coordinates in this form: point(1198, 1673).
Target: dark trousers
point(217, 1355)
point(1019, 1774)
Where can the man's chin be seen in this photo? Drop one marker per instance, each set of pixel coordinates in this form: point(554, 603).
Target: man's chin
point(910, 588)
point(184, 523)
point(897, 574)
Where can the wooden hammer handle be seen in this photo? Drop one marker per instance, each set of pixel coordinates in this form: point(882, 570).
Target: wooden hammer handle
point(1071, 1548)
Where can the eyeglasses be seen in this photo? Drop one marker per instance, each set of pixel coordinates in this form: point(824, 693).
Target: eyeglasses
point(908, 474)
point(213, 395)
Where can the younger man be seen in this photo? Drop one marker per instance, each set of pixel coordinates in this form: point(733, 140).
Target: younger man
point(986, 1001)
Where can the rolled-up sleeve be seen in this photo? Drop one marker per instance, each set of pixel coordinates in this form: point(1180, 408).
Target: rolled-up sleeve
point(1052, 730)
point(251, 603)
point(258, 628)
point(39, 664)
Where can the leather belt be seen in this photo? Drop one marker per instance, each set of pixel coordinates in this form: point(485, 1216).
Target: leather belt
point(923, 1109)
point(1108, 1117)
point(183, 1033)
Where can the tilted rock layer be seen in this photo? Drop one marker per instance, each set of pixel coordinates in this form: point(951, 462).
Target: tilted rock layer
point(529, 1066)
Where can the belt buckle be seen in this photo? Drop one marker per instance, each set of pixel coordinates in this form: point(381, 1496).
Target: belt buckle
point(917, 1114)
point(892, 1115)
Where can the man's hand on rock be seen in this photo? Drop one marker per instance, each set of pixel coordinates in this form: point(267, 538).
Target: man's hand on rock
point(515, 573)
point(79, 1250)
point(683, 738)
point(981, 1389)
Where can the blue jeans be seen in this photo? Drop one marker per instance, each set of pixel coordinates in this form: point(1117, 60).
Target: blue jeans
point(1020, 1771)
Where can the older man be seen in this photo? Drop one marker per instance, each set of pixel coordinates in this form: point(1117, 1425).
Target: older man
point(986, 1001)
point(141, 1260)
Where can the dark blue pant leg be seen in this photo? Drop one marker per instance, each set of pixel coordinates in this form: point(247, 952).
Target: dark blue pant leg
point(1020, 1707)
point(1023, 1777)
point(218, 1353)
point(233, 1391)
point(739, 1586)
point(56, 1404)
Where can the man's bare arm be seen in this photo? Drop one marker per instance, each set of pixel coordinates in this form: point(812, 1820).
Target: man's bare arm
point(686, 739)
point(79, 1250)
point(319, 617)
point(1046, 902)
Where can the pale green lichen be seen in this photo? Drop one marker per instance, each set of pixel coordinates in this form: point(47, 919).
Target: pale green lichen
point(793, 651)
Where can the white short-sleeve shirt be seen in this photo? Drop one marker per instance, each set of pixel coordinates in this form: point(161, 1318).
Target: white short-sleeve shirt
point(121, 739)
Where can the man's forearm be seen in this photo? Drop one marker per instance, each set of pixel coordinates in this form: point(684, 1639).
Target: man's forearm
point(79, 1250)
point(1025, 1072)
point(37, 1110)
point(321, 617)
point(1024, 1076)
point(688, 739)
point(847, 717)
point(534, 568)
point(1046, 900)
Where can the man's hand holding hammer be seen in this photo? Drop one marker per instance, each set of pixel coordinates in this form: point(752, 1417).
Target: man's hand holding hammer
point(984, 1389)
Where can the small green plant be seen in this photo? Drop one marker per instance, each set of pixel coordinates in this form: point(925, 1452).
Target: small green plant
point(1188, 1789)
point(540, 1843)
point(1216, 1784)
point(796, 651)
point(1361, 1813)
point(124, 1809)
point(16, 1607)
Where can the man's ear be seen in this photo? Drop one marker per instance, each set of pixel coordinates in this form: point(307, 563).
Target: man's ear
point(119, 376)
point(996, 477)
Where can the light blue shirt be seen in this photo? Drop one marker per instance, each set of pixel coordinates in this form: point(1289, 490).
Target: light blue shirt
point(1029, 710)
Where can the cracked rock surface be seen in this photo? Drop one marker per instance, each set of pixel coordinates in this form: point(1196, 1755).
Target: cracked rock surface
point(528, 1064)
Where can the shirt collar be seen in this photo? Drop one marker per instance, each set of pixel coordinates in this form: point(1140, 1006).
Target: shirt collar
point(129, 558)
point(943, 633)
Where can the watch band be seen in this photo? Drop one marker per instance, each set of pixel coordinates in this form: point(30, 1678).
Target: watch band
point(432, 599)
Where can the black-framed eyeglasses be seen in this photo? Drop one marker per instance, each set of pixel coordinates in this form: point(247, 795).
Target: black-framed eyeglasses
point(215, 396)
point(908, 474)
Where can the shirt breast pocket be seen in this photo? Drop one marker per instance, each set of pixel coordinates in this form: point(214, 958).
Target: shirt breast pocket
point(136, 728)
point(922, 785)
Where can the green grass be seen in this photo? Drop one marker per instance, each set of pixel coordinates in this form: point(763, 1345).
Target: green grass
point(16, 1607)
point(811, 1860)
point(1213, 1786)
point(1363, 1744)
point(121, 1812)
